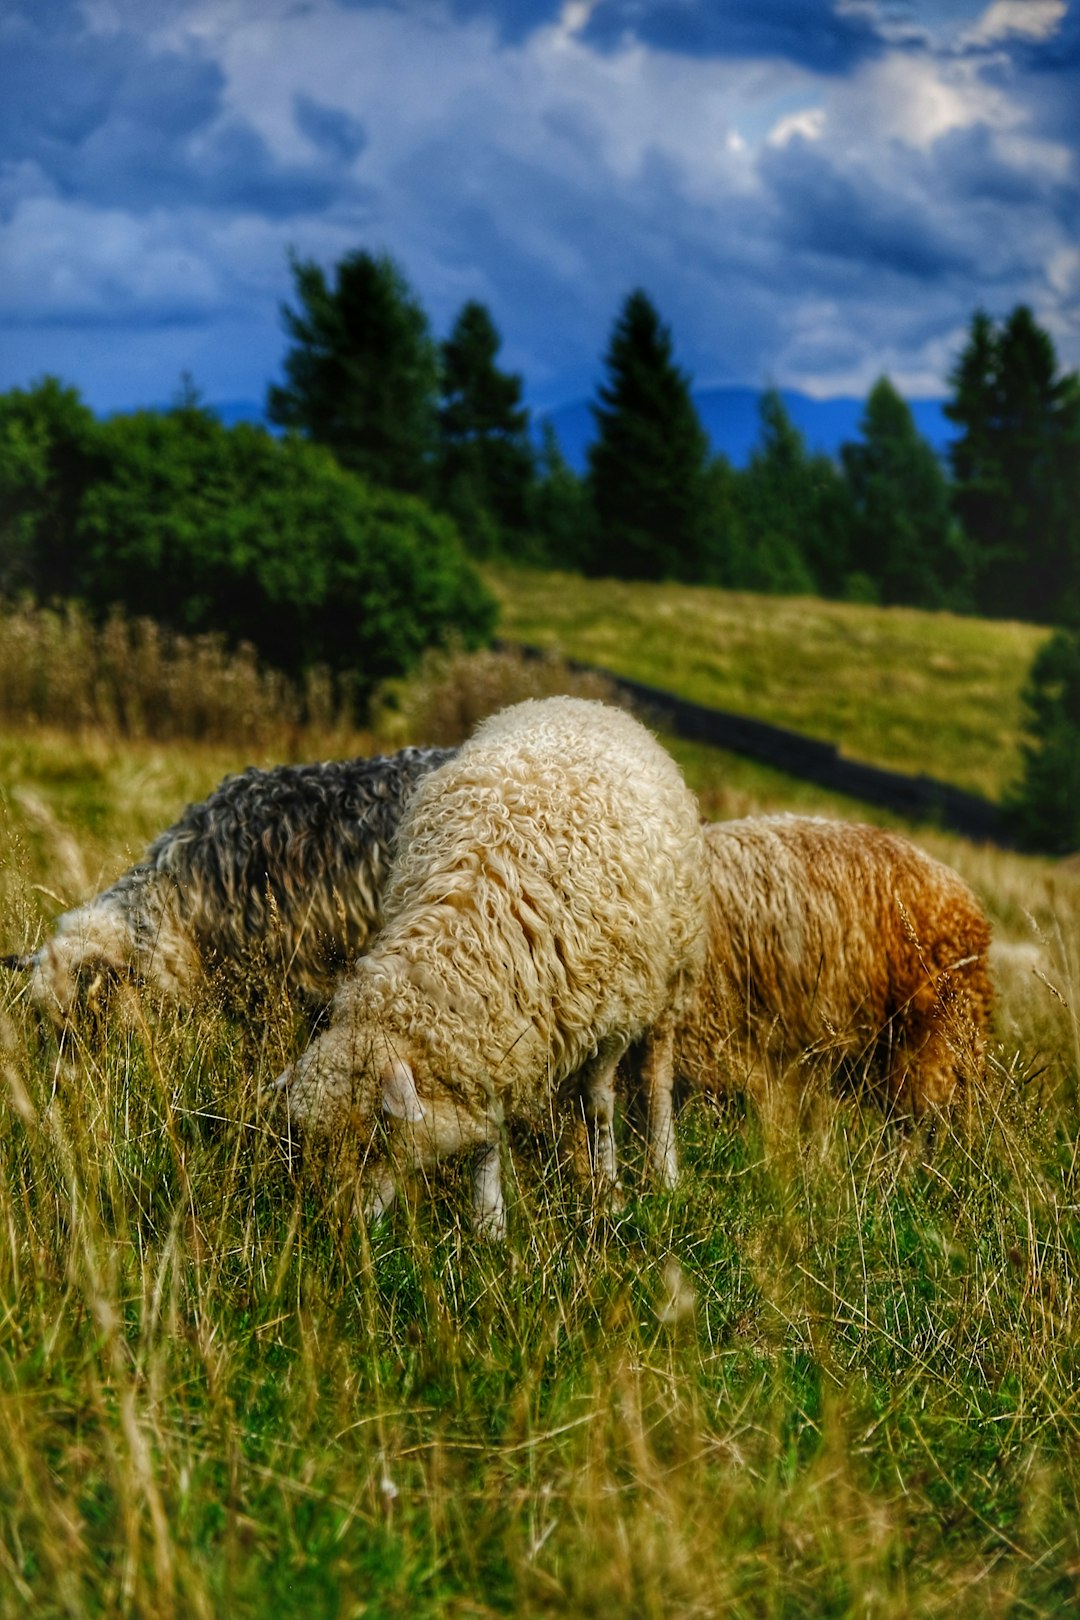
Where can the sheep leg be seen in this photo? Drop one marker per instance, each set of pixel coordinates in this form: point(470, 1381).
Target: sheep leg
point(488, 1205)
point(420, 1145)
point(657, 1075)
point(598, 1106)
point(378, 1190)
point(489, 1208)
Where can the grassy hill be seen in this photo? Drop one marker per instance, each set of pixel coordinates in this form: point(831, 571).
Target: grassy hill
point(914, 691)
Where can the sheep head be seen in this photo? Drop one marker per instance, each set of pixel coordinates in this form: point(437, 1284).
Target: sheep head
point(348, 1077)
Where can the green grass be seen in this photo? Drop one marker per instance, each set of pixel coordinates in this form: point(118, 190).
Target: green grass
point(914, 691)
point(823, 1379)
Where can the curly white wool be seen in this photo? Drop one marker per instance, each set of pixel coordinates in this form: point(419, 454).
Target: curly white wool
point(545, 909)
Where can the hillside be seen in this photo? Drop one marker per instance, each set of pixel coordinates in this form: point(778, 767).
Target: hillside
point(914, 691)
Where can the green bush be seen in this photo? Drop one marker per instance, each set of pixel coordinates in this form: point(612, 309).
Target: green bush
point(269, 541)
point(48, 440)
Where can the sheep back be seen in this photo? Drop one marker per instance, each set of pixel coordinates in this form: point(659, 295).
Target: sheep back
point(295, 858)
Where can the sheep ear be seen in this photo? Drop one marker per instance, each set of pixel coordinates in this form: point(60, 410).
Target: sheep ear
point(399, 1093)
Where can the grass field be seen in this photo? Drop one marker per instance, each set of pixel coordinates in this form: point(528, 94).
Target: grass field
point(911, 690)
point(824, 1378)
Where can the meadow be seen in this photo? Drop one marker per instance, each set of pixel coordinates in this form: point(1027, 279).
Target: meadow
point(894, 686)
point(825, 1377)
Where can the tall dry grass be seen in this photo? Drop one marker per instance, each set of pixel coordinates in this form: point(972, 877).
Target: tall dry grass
point(452, 691)
point(130, 678)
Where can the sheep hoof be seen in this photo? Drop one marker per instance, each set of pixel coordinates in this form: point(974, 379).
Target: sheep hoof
point(491, 1226)
point(375, 1198)
point(609, 1197)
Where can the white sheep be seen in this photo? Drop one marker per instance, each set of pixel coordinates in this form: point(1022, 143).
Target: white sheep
point(278, 872)
point(546, 907)
point(841, 943)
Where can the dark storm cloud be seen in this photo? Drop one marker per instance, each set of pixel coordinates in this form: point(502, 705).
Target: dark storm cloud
point(331, 128)
point(808, 32)
point(111, 122)
point(60, 85)
point(816, 37)
point(1044, 76)
point(855, 217)
point(968, 167)
point(125, 164)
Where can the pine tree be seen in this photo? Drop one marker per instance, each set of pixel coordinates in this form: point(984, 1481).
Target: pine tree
point(647, 463)
point(1016, 466)
point(486, 462)
point(1044, 807)
point(362, 371)
point(562, 515)
point(792, 518)
point(904, 536)
point(722, 533)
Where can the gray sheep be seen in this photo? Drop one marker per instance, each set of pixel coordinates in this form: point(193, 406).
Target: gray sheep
point(278, 870)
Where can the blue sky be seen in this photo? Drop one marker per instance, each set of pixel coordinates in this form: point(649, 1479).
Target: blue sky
point(813, 191)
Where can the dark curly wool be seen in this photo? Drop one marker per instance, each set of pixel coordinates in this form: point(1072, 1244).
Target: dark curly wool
point(299, 850)
point(279, 870)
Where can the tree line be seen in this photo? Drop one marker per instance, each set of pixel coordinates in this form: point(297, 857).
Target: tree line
point(995, 531)
point(350, 538)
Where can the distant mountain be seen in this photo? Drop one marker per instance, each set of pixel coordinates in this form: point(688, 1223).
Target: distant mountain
point(731, 420)
point(231, 411)
point(728, 415)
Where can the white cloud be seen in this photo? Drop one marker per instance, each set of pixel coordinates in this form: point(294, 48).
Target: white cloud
point(1063, 274)
point(916, 99)
point(1023, 19)
point(66, 262)
point(809, 124)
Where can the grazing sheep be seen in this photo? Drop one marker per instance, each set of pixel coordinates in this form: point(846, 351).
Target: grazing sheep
point(280, 868)
point(545, 908)
point(845, 942)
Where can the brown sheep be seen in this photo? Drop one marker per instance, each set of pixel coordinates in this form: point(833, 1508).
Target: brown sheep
point(841, 942)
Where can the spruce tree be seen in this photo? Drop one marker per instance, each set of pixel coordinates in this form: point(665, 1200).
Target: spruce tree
point(362, 372)
point(562, 518)
point(792, 517)
point(1044, 806)
point(647, 462)
point(904, 536)
point(1016, 466)
point(486, 462)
